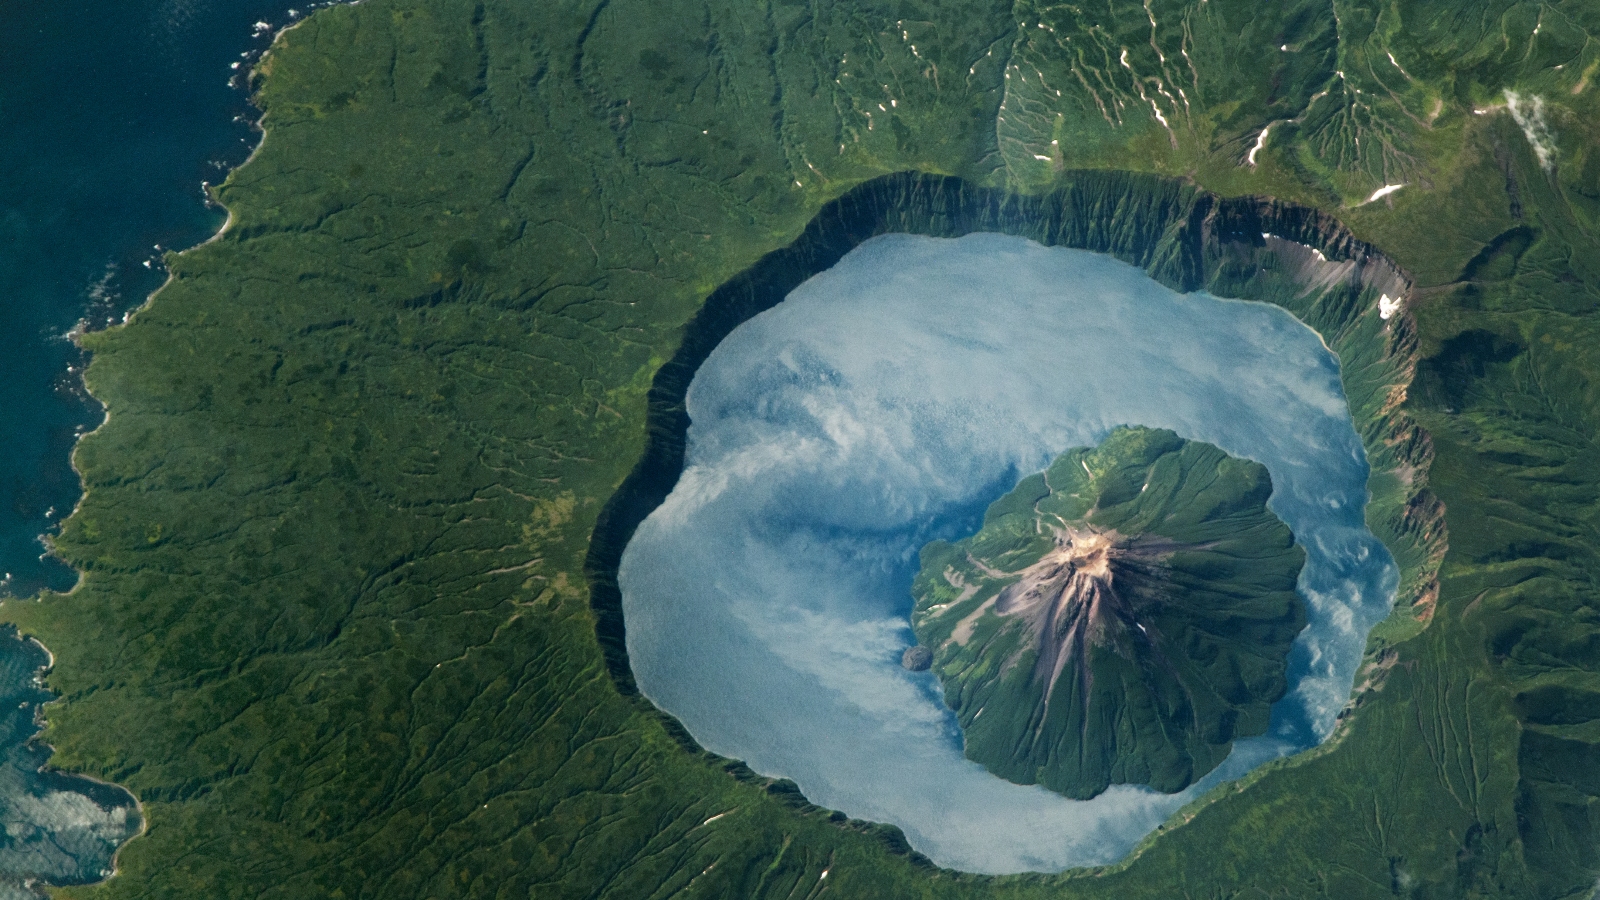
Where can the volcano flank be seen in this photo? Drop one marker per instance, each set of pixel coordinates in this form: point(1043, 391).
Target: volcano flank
point(1120, 618)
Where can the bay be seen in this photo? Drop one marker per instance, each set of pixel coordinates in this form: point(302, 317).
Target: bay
point(112, 114)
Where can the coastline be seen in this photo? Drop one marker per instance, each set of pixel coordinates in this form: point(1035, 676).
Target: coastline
point(1312, 801)
point(77, 335)
point(1186, 813)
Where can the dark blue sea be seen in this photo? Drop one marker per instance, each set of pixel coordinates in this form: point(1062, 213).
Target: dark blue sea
point(112, 115)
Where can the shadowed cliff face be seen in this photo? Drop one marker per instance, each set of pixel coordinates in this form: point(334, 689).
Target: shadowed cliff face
point(1120, 618)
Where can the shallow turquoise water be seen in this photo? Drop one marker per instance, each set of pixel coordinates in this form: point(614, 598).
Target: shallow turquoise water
point(886, 402)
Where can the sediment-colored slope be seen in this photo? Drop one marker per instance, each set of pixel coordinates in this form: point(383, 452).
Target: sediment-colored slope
point(1120, 618)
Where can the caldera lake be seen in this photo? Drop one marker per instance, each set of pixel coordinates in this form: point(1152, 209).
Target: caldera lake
point(885, 403)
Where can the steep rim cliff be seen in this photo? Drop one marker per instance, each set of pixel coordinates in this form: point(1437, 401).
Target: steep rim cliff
point(1253, 248)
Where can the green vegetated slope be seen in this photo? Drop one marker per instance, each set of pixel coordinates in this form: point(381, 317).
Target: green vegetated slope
point(1120, 618)
point(335, 630)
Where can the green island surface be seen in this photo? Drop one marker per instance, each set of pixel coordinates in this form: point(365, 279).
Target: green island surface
point(348, 622)
point(1120, 617)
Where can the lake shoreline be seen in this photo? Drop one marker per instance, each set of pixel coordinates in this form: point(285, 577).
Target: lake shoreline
point(1184, 238)
point(259, 42)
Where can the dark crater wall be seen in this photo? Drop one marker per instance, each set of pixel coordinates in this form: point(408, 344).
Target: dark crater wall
point(1186, 238)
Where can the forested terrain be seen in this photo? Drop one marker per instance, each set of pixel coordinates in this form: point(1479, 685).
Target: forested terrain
point(346, 625)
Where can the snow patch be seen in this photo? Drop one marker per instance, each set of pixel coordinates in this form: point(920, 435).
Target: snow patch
point(1261, 141)
point(1388, 306)
point(1384, 191)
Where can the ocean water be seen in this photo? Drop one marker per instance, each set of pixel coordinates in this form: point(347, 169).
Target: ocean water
point(112, 114)
point(885, 403)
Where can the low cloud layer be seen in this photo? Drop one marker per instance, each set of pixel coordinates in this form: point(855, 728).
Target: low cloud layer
point(884, 404)
point(1528, 112)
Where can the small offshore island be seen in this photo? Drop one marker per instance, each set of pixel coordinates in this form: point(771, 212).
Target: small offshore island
point(1120, 618)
